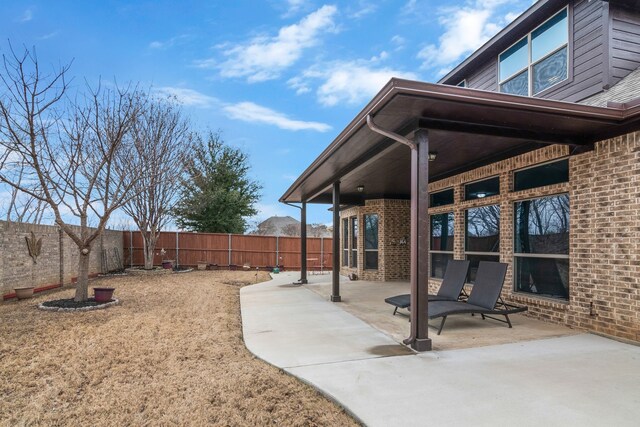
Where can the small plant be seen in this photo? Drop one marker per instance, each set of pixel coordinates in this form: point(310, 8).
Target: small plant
point(34, 246)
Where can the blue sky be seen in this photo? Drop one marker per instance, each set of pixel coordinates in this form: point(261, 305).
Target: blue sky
point(279, 78)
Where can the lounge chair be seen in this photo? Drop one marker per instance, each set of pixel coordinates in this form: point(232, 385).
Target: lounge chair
point(484, 298)
point(450, 289)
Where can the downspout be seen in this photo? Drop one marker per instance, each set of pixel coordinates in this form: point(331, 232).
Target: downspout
point(414, 282)
point(303, 278)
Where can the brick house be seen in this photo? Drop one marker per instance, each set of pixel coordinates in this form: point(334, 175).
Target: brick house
point(528, 152)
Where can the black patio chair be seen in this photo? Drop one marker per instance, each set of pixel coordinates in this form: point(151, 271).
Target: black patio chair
point(484, 298)
point(450, 290)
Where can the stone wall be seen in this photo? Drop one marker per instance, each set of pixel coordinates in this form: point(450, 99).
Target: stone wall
point(58, 260)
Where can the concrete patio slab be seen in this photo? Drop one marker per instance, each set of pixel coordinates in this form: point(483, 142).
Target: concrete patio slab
point(580, 379)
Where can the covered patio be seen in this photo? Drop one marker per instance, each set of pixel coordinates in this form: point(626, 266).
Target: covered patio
point(413, 134)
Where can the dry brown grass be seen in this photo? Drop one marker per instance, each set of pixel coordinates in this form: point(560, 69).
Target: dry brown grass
point(170, 354)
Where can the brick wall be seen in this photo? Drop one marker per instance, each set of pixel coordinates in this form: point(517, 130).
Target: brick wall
point(393, 239)
point(604, 256)
point(58, 260)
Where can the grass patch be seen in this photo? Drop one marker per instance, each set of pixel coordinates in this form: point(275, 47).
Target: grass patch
point(170, 354)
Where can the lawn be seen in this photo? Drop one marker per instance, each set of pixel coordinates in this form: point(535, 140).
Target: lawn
point(170, 354)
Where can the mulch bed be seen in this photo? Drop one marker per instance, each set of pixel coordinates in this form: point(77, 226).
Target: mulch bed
point(173, 354)
point(70, 303)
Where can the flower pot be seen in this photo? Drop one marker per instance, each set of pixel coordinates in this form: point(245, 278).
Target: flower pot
point(202, 265)
point(25, 292)
point(103, 294)
point(168, 264)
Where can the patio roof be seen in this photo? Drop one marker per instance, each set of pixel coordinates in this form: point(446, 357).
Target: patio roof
point(468, 128)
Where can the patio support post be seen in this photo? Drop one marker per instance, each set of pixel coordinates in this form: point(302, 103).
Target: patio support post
point(419, 339)
point(335, 288)
point(303, 243)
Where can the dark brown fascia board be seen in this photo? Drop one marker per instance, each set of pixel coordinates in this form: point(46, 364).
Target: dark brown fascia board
point(454, 93)
point(506, 37)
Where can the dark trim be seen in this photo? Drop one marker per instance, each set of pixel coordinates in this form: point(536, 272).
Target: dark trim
point(607, 35)
point(335, 276)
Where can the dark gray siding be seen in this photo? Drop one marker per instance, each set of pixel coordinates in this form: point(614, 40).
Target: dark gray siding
point(589, 61)
point(625, 42)
point(485, 78)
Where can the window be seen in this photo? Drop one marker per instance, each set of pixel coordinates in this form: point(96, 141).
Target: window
point(462, 84)
point(345, 242)
point(482, 189)
point(441, 198)
point(539, 176)
point(354, 242)
point(442, 236)
point(537, 61)
point(482, 236)
point(541, 246)
point(371, 242)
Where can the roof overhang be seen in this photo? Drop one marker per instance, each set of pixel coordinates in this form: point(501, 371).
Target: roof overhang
point(467, 127)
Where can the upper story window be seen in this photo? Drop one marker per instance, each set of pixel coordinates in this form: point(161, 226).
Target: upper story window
point(481, 189)
point(537, 61)
point(540, 175)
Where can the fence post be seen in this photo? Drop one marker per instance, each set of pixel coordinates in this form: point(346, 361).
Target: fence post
point(131, 248)
point(61, 252)
point(277, 250)
point(177, 250)
point(229, 250)
point(321, 254)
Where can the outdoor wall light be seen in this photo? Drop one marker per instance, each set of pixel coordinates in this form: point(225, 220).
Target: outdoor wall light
point(360, 188)
point(433, 155)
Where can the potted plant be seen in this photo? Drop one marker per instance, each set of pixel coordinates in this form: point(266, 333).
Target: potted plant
point(166, 263)
point(24, 292)
point(102, 295)
point(202, 265)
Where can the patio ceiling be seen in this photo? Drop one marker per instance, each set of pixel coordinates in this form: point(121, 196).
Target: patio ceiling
point(468, 128)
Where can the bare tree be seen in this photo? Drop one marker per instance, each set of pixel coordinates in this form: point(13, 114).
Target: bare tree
point(163, 142)
point(22, 207)
point(77, 155)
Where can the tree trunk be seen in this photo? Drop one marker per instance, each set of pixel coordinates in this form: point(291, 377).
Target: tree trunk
point(148, 256)
point(82, 287)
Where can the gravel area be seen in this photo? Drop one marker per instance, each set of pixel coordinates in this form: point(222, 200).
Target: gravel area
point(170, 354)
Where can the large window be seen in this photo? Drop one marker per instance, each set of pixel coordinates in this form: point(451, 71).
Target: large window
point(537, 61)
point(541, 246)
point(482, 236)
point(354, 242)
point(442, 236)
point(345, 242)
point(371, 242)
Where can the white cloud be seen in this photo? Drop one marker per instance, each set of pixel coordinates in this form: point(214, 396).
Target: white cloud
point(188, 97)
point(398, 42)
point(48, 36)
point(289, 178)
point(27, 16)
point(254, 113)
point(466, 28)
point(157, 44)
point(363, 8)
point(351, 82)
point(264, 57)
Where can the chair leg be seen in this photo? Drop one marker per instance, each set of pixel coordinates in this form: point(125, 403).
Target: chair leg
point(506, 316)
point(444, 318)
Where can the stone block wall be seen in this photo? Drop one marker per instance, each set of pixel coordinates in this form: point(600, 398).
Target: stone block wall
point(58, 260)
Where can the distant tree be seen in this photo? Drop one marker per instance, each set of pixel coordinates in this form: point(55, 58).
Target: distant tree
point(163, 142)
point(76, 157)
point(217, 195)
point(265, 228)
point(292, 230)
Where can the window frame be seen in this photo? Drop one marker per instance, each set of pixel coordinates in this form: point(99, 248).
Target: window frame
point(466, 184)
point(353, 233)
point(434, 251)
point(530, 64)
point(497, 254)
point(538, 255)
point(364, 246)
point(345, 242)
point(537, 165)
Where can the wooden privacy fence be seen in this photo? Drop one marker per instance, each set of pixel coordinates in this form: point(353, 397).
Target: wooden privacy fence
point(230, 250)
